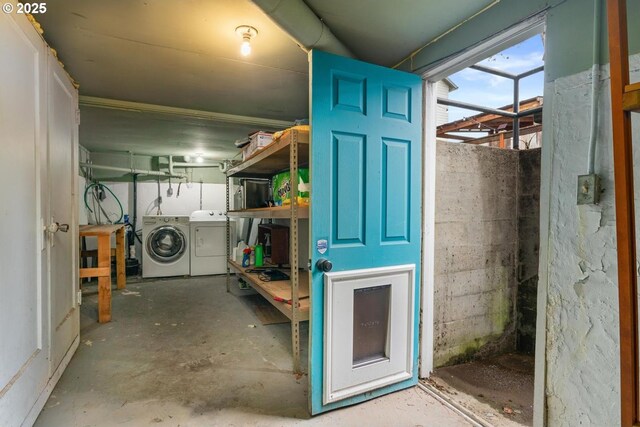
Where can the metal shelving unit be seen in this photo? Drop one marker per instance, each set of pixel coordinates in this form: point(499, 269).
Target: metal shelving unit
point(290, 151)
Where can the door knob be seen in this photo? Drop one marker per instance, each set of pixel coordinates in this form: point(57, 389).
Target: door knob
point(55, 227)
point(324, 265)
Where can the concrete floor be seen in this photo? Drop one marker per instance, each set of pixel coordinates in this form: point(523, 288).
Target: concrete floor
point(183, 352)
point(498, 389)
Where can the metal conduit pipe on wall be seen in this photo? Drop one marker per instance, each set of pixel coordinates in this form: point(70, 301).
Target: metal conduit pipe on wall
point(302, 24)
point(133, 171)
point(173, 165)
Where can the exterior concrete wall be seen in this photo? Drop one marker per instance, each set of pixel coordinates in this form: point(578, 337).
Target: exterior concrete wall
point(475, 251)
point(528, 247)
point(582, 341)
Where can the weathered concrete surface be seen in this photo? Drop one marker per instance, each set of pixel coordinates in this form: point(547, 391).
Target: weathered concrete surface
point(181, 352)
point(528, 247)
point(488, 386)
point(475, 251)
point(582, 341)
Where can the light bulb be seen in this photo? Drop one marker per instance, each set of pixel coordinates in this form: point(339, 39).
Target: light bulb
point(245, 48)
point(187, 159)
point(199, 159)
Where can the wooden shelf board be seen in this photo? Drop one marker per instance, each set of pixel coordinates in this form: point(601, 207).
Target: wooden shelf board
point(274, 212)
point(274, 158)
point(278, 289)
point(631, 98)
point(632, 87)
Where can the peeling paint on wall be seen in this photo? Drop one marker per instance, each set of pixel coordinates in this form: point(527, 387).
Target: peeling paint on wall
point(582, 345)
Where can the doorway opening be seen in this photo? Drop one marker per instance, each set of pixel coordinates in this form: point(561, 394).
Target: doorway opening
point(486, 161)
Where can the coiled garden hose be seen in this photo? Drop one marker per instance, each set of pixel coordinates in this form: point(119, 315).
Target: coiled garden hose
point(100, 187)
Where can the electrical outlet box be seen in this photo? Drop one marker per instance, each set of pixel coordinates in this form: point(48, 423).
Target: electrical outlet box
point(589, 189)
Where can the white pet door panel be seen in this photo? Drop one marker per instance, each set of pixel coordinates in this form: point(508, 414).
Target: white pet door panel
point(368, 330)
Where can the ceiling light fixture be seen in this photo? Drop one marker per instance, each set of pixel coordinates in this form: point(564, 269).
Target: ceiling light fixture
point(246, 32)
point(187, 158)
point(199, 158)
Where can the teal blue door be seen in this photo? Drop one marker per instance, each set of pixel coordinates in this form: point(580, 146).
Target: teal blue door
point(366, 132)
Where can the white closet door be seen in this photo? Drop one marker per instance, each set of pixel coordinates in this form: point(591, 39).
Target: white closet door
point(62, 188)
point(24, 315)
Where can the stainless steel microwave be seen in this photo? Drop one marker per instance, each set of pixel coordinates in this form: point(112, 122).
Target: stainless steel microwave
point(252, 193)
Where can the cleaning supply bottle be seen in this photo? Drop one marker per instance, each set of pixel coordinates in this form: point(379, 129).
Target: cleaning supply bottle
point(267, 245)
point(246, 254)
point(252, 257)
point(238, 251)
point(259, 255)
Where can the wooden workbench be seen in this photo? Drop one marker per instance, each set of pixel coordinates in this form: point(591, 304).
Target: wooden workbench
point(103, 270)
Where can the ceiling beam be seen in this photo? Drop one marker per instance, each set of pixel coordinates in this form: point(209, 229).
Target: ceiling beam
point(139, 107)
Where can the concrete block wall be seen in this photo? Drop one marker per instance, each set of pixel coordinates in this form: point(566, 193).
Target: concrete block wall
point(582, 336)
point(528, 248)
point(486, 243)
point(476, 241)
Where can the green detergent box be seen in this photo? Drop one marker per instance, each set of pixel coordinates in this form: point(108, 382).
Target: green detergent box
point(282, 187)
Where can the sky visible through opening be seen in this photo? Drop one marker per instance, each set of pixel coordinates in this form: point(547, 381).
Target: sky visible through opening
point(488, 90)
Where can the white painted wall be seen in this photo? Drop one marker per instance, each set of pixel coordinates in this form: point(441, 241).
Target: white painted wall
point(442, 115)
point(582, 341)
point(213, 198)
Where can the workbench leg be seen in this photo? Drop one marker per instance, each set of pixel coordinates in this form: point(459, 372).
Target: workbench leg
point(120, 262)
point(104, 282)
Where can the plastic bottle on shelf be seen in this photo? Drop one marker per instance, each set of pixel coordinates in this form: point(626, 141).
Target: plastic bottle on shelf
point(246, 257)
point(258, 255)
point(267, 245)
point(238, 251)
point(252, 257)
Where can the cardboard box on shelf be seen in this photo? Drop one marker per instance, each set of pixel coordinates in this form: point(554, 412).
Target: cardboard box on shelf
point(257, 141)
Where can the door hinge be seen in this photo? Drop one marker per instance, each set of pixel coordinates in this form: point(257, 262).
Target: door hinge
point(78, 116)
point(79, 297)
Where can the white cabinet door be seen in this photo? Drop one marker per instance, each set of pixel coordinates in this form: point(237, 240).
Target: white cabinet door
point(62, 187)
point(24, 315)
point(39, 316)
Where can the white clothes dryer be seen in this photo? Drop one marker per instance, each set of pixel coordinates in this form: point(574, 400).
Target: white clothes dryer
point(165, 241)
point(208, 240)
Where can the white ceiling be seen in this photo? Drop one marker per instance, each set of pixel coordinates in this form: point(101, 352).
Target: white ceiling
point(185, 53)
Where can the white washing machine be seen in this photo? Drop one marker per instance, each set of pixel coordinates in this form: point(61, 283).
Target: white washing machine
point(208, 240)
point(165, 245)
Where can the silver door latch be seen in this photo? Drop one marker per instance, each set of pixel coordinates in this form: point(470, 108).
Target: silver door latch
point(55, 227)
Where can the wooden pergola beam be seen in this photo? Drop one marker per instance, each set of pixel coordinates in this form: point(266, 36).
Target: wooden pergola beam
point(504, 135)
point(483, 118)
